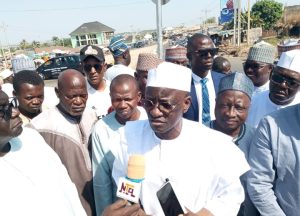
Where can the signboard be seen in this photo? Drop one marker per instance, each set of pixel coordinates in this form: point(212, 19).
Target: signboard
point(227, 12)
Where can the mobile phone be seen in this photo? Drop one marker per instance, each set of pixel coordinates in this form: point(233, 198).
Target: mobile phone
point(168, 200)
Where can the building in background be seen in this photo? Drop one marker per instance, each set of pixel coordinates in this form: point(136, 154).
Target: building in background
point(94, 33)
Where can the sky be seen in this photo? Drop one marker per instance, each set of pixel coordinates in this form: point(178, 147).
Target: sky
point(41, 20)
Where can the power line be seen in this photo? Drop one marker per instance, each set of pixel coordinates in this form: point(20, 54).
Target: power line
point(75, 8)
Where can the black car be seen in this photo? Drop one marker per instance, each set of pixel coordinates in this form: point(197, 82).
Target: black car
point(53, 67)
point(139, 44)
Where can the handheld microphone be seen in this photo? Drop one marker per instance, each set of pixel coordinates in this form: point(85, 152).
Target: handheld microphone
point(129, 188)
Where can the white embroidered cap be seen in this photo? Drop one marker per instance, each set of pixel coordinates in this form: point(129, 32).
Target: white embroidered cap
point(6, 73)
point(290, 60)
point(170, 75)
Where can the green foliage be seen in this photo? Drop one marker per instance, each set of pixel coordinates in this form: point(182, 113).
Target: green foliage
point(211, 20)
point(266, 13)
point(67, 42)
point(23, 44)
point(35, 44)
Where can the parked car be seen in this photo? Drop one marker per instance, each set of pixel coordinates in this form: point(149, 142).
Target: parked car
point(139, 44)
point(54, 66)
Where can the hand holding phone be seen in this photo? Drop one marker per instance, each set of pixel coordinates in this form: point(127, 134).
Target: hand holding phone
point(168, 200)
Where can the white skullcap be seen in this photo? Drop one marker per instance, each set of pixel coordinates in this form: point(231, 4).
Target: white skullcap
point(290, 60)
point(169, 75)
point(6, 73)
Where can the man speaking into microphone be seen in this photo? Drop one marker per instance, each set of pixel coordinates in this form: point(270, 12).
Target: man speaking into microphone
point(202, 166)
point(128, 190)
point(129, 187)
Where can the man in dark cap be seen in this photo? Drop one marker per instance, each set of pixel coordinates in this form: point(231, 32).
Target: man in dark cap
point(67, 128)
point(94, 67)
point(122, 58)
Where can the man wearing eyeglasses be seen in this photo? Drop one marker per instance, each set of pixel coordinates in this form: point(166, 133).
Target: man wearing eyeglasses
point(201, 51)
point(274, 179)
point(94, 67)
point(67, 128)
point(204, 173)
point(259, 65)
point(284, 87)
point(33, 180)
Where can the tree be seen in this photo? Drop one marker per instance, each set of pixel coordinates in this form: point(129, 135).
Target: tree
point(55, 40)
point(35, 44)
point(23, 44)
point(210, 20)
point(67, 42)
point(267, 13)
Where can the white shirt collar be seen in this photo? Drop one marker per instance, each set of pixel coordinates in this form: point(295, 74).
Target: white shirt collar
point(197, 79)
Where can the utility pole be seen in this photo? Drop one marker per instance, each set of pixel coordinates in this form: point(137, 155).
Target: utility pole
point(3, 54)
point(205, 12)
point(248, 26)
point(239, 22)
point(159, 4)
point(234, 22)
point(3, 28)
point(159, 28)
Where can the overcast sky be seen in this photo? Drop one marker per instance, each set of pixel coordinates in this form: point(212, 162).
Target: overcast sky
point(40, 20)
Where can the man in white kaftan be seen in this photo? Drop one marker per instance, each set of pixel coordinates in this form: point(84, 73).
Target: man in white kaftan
point(33, 180)
point(284, 88)
point(203, 172)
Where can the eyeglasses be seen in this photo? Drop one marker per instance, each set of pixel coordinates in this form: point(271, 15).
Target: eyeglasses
point(278, 79)
point(163, 106)
point(6, 111)
point(253, 66)
point(88, 67)
point(204, 52)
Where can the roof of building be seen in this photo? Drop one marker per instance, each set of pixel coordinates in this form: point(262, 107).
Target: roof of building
point(92, 27)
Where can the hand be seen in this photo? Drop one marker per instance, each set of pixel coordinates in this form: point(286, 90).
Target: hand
point(120, 208)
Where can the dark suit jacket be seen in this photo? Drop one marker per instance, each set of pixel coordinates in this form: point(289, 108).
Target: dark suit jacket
point(193, 111)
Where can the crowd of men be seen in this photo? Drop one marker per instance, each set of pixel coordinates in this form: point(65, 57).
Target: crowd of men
point(226, 141)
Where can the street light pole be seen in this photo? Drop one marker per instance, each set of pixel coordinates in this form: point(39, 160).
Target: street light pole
point(239, 22)
point(248, 26)
point(234, 22)
point(159, 29)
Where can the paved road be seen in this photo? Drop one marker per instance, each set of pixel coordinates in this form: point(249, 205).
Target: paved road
point(236, 63)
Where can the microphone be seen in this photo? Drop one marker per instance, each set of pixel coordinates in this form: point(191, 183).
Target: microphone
point(129, 188)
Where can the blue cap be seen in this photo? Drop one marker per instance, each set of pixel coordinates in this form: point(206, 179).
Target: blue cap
point(117, 45)
point(236, 81)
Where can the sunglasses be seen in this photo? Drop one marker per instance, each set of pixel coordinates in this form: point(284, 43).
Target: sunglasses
point(278, 79)
point(163, 106)
point(253, 66)
point(204, 52)
point(88, 67)
point(6, 111)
